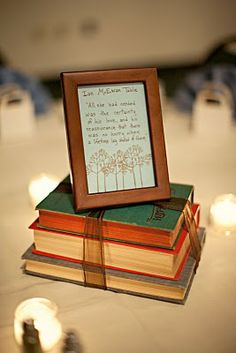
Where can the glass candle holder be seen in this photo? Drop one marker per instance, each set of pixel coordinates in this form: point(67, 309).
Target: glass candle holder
point(43, 312)
point(40, 187)
point(223, 213)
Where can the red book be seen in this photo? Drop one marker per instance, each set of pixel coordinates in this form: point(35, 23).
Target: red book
point(139, 259)
point(145, 224)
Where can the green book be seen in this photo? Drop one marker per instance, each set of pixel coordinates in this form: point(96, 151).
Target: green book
point(146, 224)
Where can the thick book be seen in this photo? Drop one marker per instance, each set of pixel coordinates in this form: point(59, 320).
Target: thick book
point(139, 259)
point(146, 224)
point(118, 281)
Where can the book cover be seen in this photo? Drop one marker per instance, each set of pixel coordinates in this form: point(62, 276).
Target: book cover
point(139, 259)
point(146, 224)
point(118, 281)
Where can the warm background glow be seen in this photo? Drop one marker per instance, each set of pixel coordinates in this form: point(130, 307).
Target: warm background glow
point(46, 37)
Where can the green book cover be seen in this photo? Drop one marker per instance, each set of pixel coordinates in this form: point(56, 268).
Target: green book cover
point(146, 215)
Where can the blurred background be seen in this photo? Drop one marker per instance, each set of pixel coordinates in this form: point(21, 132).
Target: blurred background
point(193, 45)
point(42, 38)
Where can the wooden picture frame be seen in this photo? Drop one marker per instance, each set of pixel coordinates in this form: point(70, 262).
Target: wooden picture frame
point(115, 137)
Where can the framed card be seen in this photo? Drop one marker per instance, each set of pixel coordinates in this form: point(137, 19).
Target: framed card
point(115, 137)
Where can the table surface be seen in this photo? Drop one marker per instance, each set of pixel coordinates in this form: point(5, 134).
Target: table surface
point(106, 321)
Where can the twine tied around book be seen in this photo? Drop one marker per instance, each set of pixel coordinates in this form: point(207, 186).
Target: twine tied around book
point(93, 262)
point(93, 247)
point(93, 251)
point(184, 206)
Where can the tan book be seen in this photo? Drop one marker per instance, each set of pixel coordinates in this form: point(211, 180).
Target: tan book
point(139, 259)
point(119, 281)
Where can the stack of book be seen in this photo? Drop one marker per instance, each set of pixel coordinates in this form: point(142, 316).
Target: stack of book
point(146, 247)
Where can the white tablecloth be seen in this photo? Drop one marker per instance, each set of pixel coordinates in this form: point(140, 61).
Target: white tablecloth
point(108, 322)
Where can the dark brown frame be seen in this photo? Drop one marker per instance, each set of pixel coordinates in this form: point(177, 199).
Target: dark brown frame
point(82, 199)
